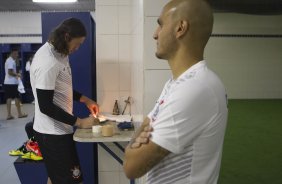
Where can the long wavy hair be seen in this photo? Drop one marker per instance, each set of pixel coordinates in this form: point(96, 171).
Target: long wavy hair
point(64, 33)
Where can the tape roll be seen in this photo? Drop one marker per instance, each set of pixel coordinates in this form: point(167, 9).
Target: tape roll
point(107, 130)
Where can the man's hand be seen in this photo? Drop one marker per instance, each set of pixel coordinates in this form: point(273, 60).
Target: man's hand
point(143, 137)
point(85, 122)
point(141, 155)
point(12, 73)
point(91, 105)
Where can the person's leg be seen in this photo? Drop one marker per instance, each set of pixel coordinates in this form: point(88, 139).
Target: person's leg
point(29, 130)
point(18, 105)
point(8, 96)
point(9, 105)
point(60, 158)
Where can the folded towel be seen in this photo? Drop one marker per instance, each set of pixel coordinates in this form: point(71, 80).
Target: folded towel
point(21, 86)
point(117, 118)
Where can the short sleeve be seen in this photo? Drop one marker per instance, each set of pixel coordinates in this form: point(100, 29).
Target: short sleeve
point(182, 117)
point(45, 78)
point(27, 66)
point(10, 64)
point(165, 130)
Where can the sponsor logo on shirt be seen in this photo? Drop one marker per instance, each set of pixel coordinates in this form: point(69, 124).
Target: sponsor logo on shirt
point(155, 114)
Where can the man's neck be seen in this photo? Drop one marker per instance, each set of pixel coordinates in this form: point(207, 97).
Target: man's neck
point(180, 64)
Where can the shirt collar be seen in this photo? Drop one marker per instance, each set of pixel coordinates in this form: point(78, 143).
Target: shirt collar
point(57, 55)
point(191, 71)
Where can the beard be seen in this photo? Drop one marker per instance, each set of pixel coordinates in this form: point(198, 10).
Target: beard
point(166, 47)
point(159, 55)
point(167, 51)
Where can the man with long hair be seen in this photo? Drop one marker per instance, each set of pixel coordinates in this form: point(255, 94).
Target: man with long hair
point(51, 82)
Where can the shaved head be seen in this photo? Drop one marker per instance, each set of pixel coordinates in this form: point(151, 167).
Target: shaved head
point(199, 16)
point(184, 29)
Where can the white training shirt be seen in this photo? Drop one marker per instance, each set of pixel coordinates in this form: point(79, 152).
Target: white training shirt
point(51, 71)
point(10, 64)
point(189, 120)
point(27, 66)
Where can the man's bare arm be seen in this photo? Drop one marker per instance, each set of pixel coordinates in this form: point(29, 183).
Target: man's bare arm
point(12, 73)
point(141, 135)
point(142, 158)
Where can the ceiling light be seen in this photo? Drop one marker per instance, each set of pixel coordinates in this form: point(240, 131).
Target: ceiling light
point(54, 1)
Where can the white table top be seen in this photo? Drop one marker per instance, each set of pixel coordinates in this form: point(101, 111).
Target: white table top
point(86, 135)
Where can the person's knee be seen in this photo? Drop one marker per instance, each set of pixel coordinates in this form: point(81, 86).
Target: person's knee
point(9, 101)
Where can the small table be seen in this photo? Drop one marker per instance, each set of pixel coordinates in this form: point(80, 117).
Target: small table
point(87, 136)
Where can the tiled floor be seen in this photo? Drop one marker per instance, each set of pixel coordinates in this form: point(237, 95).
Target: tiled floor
point(12, 135)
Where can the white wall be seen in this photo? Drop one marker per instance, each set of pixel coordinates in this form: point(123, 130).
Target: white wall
point(24, 24)
point(249, 67)
point(137, 78)
point(114, 59)
point(114, 52)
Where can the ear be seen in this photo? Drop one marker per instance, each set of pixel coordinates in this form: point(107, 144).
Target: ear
point(182, 28)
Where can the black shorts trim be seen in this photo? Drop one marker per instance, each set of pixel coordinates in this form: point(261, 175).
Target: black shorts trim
point(11, 91)
point(60, 157)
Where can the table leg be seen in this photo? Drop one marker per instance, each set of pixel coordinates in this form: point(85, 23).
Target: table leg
point(111, 152)
point(95, 161)
point(115, 155)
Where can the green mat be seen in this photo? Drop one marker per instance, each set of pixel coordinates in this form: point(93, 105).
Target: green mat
point(252, 152)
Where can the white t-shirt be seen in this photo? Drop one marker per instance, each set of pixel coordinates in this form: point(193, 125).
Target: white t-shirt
point(27, 66)
point(51, 71)
point(189, 120)
point(10, 64)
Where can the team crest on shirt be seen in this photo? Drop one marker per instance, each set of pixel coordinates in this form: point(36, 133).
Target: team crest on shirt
point(76, 172)
point(155, 114)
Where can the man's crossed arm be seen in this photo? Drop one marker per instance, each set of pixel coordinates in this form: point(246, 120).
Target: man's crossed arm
point(141, 155)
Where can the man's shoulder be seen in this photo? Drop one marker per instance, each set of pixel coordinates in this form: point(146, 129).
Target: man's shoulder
point(43, 50)
point(10, 60)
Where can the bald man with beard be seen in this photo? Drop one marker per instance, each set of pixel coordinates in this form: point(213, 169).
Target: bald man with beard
point(181, 139)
